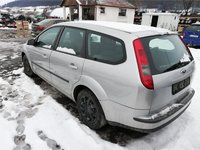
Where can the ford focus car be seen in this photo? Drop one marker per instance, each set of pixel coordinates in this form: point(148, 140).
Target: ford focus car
point(121, 74)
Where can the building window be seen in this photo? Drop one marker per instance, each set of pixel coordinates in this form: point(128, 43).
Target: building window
point(102, 10)
point(122, 12)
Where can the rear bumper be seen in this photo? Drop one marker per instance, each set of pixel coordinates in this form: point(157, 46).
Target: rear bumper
point(133, 119)
point(168, 111)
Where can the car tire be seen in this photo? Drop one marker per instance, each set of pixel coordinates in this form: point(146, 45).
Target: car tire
point(90, 111)
point(27, 69)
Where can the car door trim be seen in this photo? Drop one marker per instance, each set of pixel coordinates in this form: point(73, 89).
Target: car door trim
point(51, 72)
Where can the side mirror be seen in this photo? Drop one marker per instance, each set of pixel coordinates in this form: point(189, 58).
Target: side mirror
point(31, 42)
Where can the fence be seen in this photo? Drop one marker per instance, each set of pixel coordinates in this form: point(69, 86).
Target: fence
point(22, 28)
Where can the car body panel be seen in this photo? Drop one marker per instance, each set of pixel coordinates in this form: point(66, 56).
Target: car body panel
point(66, 71)
point(163, 87)
point(40, 61)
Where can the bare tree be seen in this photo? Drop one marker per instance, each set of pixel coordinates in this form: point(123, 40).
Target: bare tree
point(187, 4)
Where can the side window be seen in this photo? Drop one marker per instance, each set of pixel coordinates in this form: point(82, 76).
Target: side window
point(71, 41)
point(105, 49)
point(47, 38)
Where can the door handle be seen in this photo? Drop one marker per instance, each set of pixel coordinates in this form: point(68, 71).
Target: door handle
point(72, 66)
point(44, 55)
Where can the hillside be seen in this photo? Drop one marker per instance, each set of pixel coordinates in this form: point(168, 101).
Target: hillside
point(25, 3)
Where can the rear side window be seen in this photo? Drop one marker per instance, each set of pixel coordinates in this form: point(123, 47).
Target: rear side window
point(194, 28)
point(166, 53)
point(105, 48)
point(71, 41)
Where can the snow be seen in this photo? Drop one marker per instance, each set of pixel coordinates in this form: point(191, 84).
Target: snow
point(68, 50)
point(51, 118)
point(161, 14)
point(6, 28)
point(32, 112)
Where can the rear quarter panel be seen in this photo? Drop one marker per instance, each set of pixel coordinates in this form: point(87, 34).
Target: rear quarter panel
point(120, 83)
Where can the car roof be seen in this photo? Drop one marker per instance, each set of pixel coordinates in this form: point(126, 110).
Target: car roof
point(138, 30)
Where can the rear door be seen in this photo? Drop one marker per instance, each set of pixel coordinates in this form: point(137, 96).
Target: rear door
point(171, 67)
point(66, 62)
point(41, 52)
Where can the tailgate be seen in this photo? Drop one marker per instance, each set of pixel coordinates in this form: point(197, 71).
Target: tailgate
point(171, 87)
point(171, 65)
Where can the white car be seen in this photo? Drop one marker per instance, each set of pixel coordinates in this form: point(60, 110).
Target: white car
point(123, 74)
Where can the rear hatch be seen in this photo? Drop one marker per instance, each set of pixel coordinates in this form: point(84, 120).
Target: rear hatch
point(171, 65)
point(192, 34)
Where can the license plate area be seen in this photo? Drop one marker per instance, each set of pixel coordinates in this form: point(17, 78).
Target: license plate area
point(177, 87)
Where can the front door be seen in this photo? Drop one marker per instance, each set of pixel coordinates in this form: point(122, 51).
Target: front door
point(66, 62)
point(41, 52)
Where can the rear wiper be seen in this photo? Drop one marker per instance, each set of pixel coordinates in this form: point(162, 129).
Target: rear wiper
point(177, 65)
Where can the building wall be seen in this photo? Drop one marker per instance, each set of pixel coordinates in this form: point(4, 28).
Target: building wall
point(112, 14)
point(166, 21)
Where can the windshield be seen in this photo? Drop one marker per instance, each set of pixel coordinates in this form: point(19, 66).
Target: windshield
point(166, 53)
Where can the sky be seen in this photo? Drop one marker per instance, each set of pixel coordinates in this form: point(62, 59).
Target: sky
point(3, 2)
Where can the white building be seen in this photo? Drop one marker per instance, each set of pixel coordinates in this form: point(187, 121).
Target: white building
point(161, 20)
point(101, 10)
point(58, 12)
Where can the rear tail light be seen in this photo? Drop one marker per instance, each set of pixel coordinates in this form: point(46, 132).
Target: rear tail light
point(143, 64)
point(40, 28)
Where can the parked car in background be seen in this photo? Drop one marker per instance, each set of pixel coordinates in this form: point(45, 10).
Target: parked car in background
point(40, 26)
point(191, 35)
point(7, 20)
point(121, 74)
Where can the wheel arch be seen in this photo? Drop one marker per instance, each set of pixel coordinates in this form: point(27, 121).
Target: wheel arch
point(92, 85)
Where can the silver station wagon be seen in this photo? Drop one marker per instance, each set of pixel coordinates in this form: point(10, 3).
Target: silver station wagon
point(122, 74)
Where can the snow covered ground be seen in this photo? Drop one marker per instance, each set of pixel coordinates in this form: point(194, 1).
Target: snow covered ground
point(34, 115)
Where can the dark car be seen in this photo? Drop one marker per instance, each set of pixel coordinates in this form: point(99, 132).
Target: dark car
point(40, 26)
point(7, 20)
point(191, 35)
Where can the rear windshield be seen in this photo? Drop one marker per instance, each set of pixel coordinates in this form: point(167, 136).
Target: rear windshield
point(166, 53)
point(194, 28)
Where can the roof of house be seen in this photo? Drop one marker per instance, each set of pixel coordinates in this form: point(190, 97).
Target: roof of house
point(111, 3)
point(162, 14)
